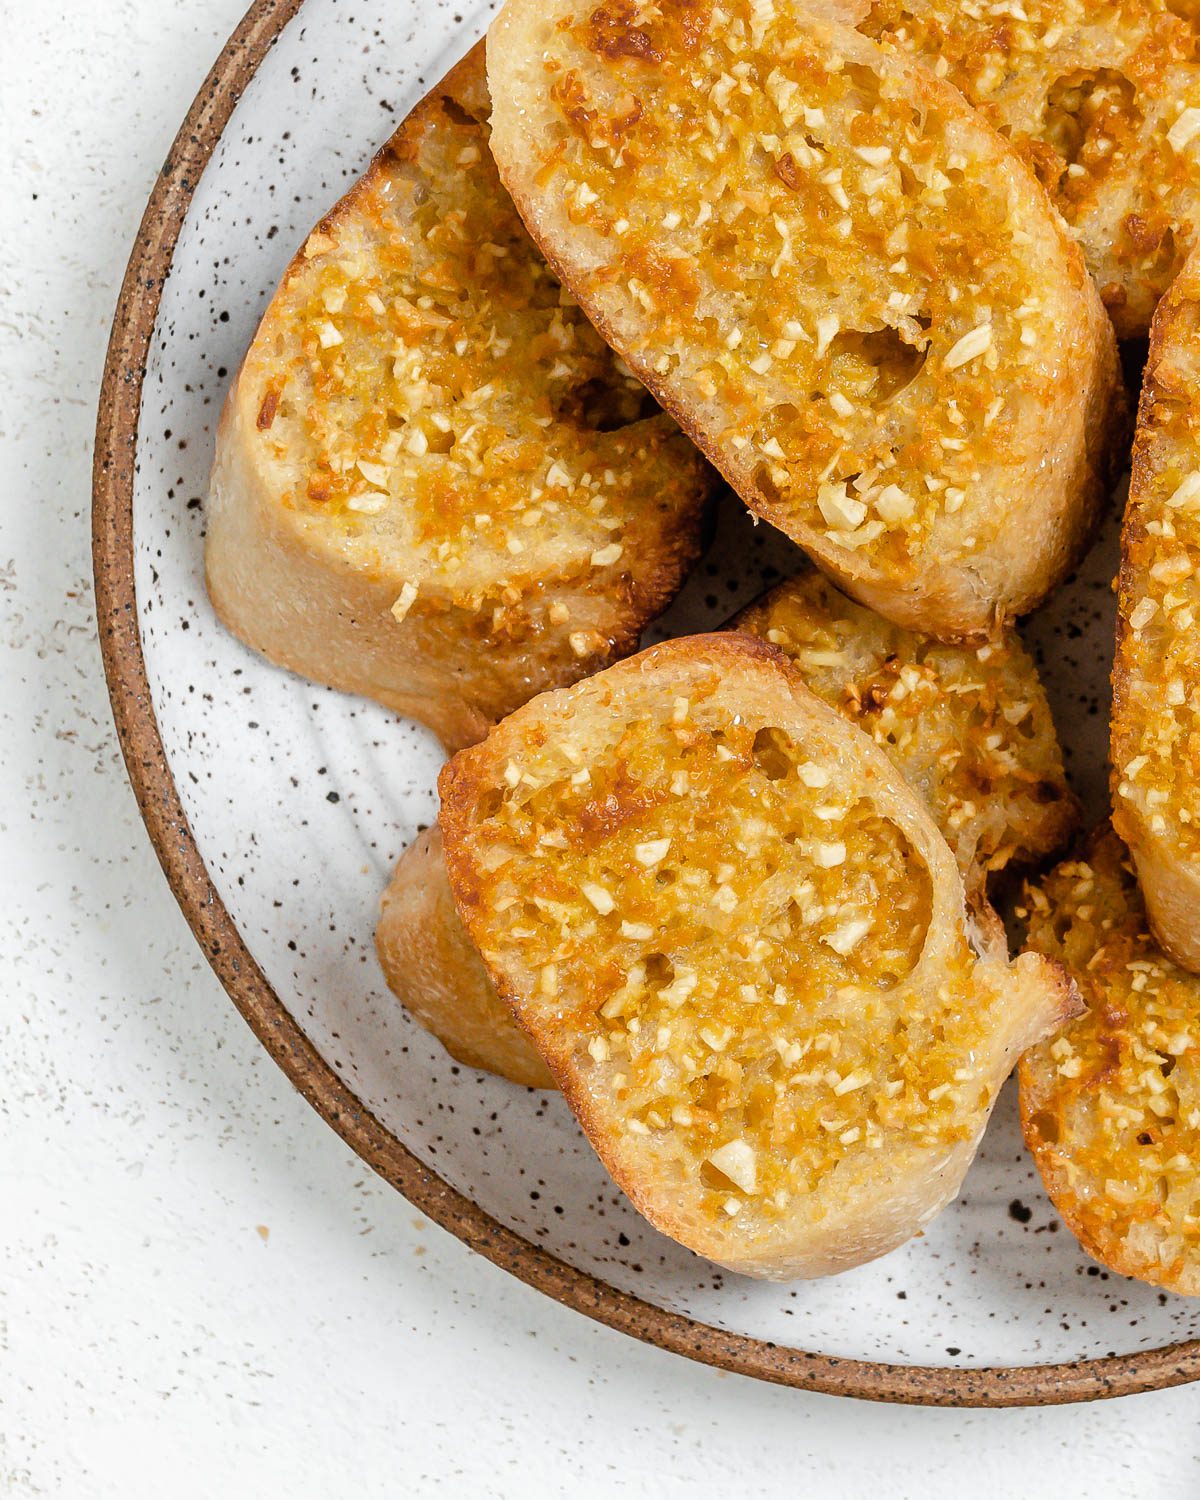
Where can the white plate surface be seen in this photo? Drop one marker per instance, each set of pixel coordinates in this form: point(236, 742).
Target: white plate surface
point(301, 800)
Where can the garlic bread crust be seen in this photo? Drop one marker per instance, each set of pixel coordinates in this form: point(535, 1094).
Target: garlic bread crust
point(1111, 1107)
point(742, 947)
point(838, 278)
point(1155, 743)
point(1102, 99)
point(970, 729)
point(434, 484)
point(434, 968)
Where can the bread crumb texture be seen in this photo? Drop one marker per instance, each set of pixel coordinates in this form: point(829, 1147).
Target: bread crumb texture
point(819, 253)
point(1111, 1107)
point(1102, 99)
point(970, 728)
point(1156, 723)
point(721, 944)
point(434, 391)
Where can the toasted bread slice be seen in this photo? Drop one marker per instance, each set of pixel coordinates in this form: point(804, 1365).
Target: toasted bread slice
point(1156, 676)
point(742, 946)
point(1102, 99)
point(435, 969)
point(841, 281)
point(434, 484)
point(970, 729)
point(1111, 1108)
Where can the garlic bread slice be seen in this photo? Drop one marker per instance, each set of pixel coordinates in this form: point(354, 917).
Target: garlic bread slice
point(1156, 676)
point(970, 728)
point(1111, 1107)
point(1102, 99)
point(839, 279)
point(743, 948)
point(434, 484)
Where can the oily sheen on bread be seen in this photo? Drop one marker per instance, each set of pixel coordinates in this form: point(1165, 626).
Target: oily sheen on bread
point(840, 280)
point(434, 484)
point(1102, 99)
point(1111, 1107)
point(970, 728)
point(1156, 676)
point(743, 949)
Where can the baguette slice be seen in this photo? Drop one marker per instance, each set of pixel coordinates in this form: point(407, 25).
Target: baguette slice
point(742, 947)
point(435, 969)
point(434, 485)
point(1111, 1108)
point(843, 284)
point(1102, 99)
point(1156, 675)
point(971, 730)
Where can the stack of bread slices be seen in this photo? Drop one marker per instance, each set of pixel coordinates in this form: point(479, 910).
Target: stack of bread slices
point(860, 263)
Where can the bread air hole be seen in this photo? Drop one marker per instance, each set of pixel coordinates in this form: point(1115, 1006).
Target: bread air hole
point(1086, 111)
point(871, 368)
point(770, 754)
point(605, 405)
point(1045, 1126)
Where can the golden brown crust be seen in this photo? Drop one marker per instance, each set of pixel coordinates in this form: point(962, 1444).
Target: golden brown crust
point(1156, 672)
point(624, 853)
point(899, 472)
point(970, 729)
point(432, 966)
point(1111, 1108)
point(1095, 95)
point(433, 485)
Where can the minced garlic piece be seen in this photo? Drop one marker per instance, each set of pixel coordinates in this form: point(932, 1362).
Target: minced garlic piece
point(405, 601)
point(969, 347)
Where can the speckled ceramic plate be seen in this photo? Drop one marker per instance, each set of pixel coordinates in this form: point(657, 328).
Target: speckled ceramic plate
point(278, 810)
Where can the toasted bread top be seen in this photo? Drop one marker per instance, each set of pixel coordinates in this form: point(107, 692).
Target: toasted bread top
point(1156, 677)
point(969, 727)
point(1111, 1107)
point(428, 398)
point(1102, 98)
point(839, 279)
point(737, 939)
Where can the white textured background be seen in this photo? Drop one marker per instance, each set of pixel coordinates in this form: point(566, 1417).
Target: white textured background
point(202, 1292)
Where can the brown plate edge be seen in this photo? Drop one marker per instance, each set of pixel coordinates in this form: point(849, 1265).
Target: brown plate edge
point(248, 988)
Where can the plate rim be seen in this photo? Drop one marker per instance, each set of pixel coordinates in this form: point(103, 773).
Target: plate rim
point(113, 474)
